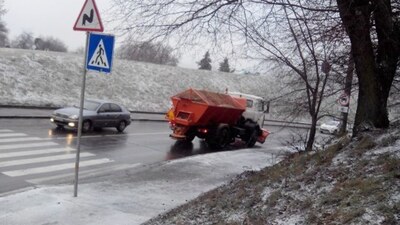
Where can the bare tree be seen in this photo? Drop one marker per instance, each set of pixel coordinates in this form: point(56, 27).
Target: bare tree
point(148, 52)
point(50, 44)
point(3, 34)
point(372, 25)
point(289, 34)
point(24, 41)
point(3, 28)
point(374, 30)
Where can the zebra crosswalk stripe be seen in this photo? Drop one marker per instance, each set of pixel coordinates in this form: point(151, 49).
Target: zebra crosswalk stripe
point(86, 173)
point(12, 135)
point(30, 145)
point(24, 139)
point(5, 131)
point(39, 170)
point(42, 159)
point(36, 152)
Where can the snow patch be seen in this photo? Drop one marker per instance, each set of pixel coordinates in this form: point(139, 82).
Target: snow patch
point(266, 193)
point(35, 77)
point(292, 219)
point(372, 217)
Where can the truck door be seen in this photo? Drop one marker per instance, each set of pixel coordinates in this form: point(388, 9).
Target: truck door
point(259, 115)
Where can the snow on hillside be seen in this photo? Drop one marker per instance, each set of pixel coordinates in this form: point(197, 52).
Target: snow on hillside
point(38, 78)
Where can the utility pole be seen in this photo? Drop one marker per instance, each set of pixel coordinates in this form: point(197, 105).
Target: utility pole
point(347, 91)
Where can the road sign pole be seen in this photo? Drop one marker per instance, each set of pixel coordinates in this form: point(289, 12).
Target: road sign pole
point(80, 121)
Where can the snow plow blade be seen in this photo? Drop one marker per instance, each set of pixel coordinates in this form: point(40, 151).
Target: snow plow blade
point(263, 136)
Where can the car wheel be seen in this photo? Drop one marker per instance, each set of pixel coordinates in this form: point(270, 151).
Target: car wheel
point(121, 126)
point(86, 126)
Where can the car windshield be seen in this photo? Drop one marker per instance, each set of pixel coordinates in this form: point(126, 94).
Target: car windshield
point(90, 105)
point(333, 123)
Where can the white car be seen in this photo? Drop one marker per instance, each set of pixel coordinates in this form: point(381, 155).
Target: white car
point(331, 127)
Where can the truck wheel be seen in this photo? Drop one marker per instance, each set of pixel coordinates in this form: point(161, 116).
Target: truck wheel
point(190, 137)
point(220, 139)
point(223, 137)
point(211, 143)
point(252, 139)
point(251, 133)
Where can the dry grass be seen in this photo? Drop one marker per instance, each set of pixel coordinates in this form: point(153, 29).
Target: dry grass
point(359, 182)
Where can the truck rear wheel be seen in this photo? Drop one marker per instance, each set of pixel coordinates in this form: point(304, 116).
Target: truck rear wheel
point(220, 139)
point(224, 137)
point(190, 137)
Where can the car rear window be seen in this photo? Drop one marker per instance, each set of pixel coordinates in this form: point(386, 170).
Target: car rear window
point(115, 108)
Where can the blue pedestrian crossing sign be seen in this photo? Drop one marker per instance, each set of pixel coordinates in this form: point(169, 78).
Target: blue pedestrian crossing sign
point(100, 52)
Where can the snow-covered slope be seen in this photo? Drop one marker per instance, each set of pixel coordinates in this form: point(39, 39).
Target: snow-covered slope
point(40, 78)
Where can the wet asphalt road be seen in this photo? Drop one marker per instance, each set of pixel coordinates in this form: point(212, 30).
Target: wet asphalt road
point(33, 152)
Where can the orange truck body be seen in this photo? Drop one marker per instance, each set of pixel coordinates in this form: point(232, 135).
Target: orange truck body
point(207, 114)
point(202, 108)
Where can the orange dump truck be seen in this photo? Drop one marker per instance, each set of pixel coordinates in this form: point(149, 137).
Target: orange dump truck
point(218, 118)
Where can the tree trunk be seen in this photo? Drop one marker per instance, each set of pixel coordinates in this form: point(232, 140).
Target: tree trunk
point(372, 101)
point(311, 134)
point(388, 50)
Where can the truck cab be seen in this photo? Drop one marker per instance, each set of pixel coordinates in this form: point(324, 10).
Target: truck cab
point(255, 107)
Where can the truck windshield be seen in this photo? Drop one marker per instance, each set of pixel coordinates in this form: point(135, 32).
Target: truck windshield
point(249, 103)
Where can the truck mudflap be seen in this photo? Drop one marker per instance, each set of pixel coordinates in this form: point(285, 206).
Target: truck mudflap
point(264, 134)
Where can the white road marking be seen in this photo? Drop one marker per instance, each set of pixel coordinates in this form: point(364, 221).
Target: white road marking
point(36, 152)
point(5, 131)
point(38, 170)
point(31, 145)
point(42, 159)
point(83, 174)
point(12, 135)
point(20, 139)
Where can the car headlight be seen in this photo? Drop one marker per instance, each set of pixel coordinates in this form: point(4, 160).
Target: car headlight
point(73, 117)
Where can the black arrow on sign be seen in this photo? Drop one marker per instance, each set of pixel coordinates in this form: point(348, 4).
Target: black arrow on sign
point(87, 18)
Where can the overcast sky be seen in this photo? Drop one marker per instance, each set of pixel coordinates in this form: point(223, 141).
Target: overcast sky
point(57, 18)
point(54, 18)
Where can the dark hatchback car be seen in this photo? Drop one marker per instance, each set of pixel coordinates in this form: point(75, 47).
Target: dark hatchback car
point(96, 114)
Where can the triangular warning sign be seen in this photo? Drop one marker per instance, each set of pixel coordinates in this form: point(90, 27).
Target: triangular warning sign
point(99, 57)
point(89, 18)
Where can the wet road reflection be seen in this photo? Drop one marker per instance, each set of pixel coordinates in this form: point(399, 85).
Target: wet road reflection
point(141, 142)
point(181, 149)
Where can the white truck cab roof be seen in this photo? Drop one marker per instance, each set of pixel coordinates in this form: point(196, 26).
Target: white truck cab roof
point(247, 96)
